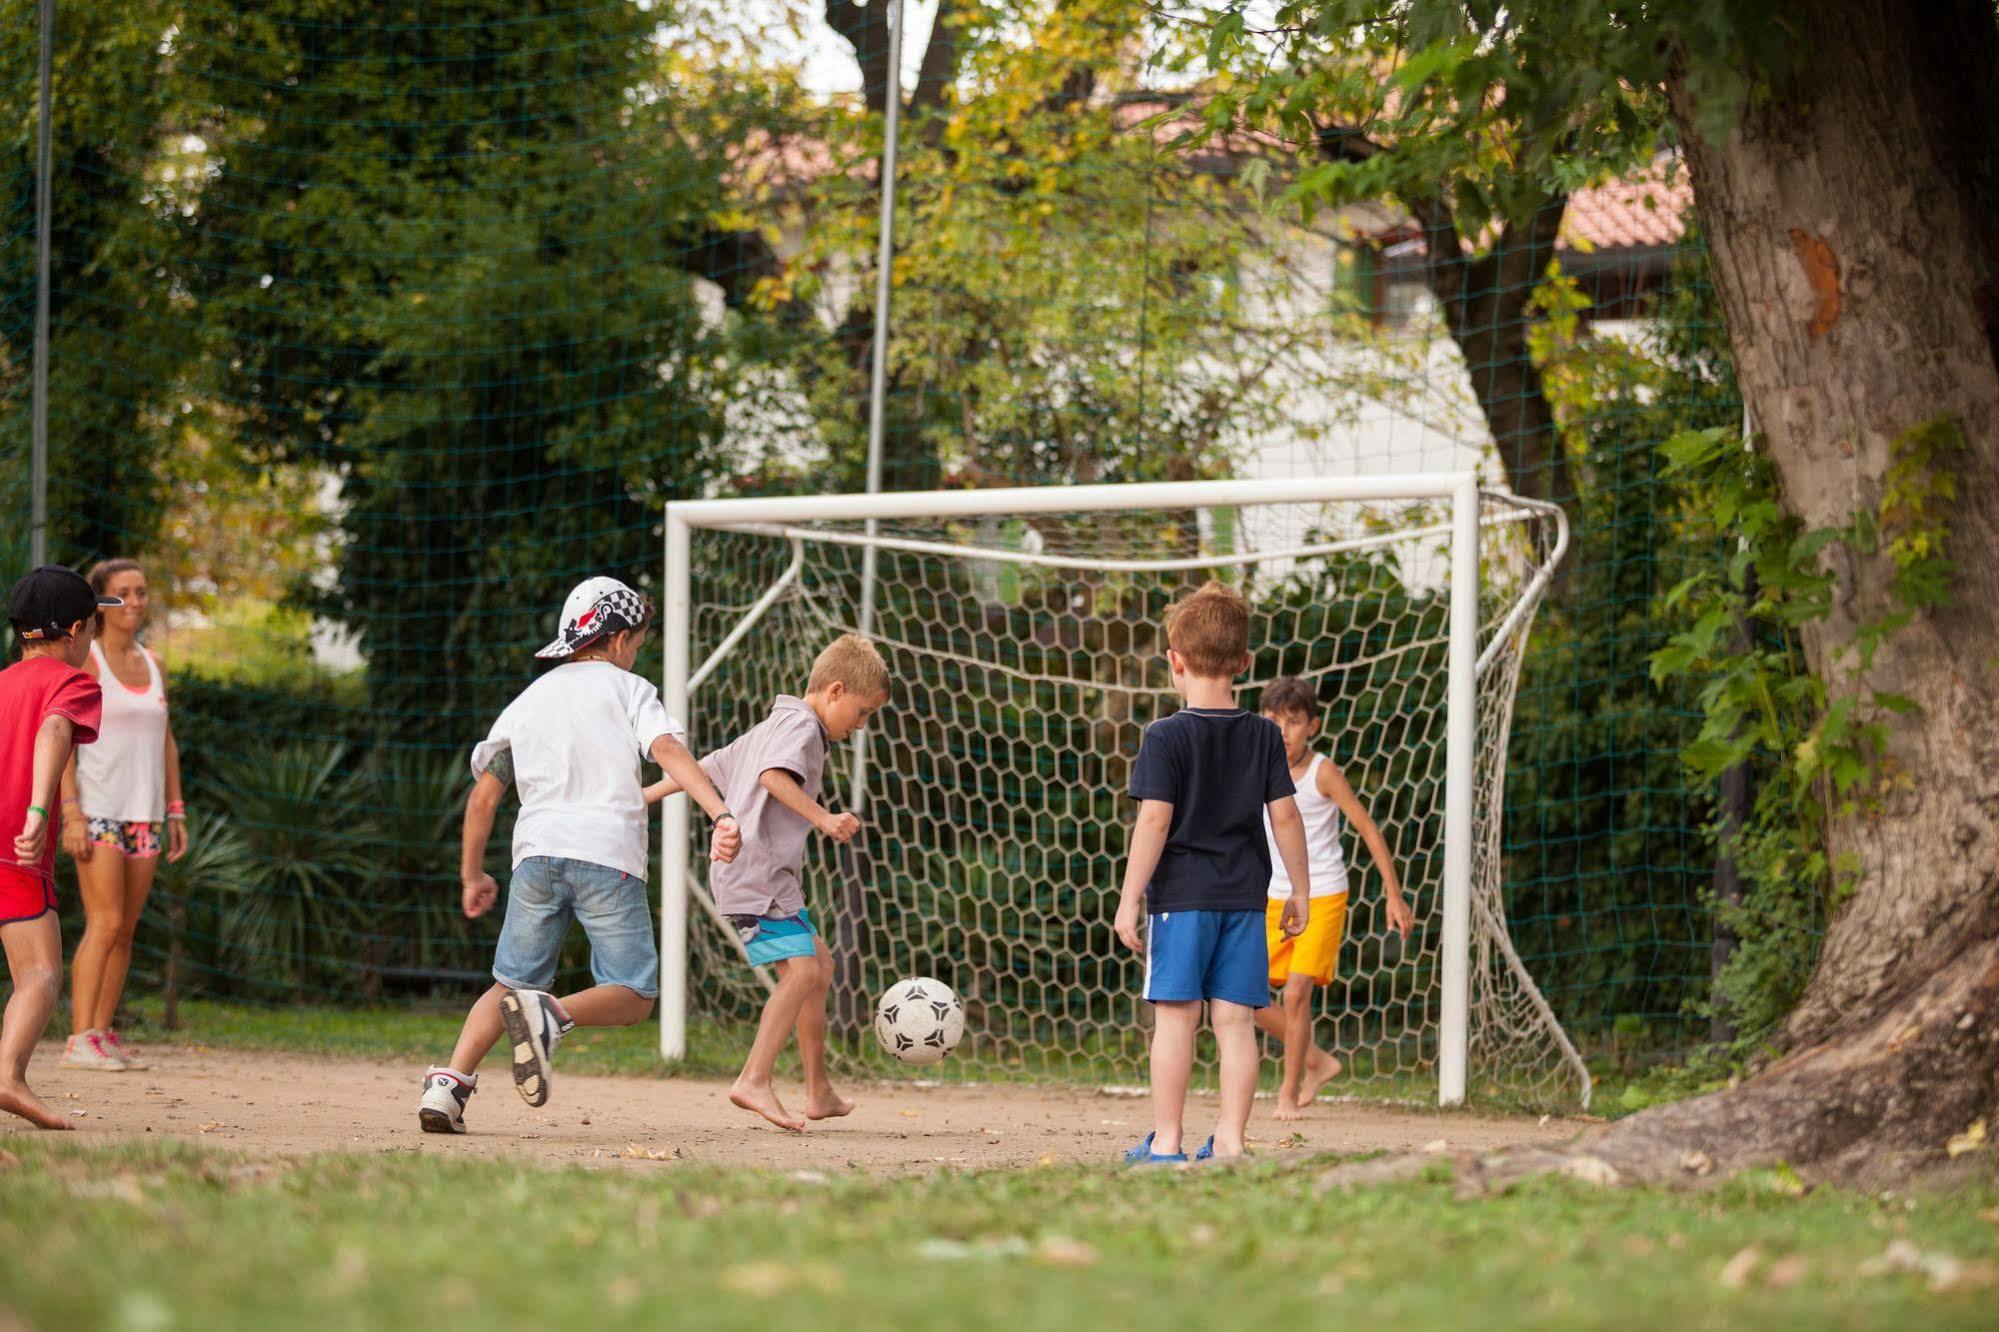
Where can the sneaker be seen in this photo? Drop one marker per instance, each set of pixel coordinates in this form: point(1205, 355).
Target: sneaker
point(445, 1092)
point(535, 1026)
point(86, 1050)
point(1143, 1155)
point(118, 1050)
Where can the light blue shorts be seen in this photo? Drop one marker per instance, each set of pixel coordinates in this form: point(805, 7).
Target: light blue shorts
point(1195, 955)
point(614, 908)
point(779, 937)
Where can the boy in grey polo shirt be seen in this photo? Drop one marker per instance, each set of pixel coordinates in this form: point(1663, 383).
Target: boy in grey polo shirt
point(770, 777)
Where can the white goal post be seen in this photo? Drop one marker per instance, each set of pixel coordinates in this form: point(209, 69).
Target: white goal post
point(1010, 602)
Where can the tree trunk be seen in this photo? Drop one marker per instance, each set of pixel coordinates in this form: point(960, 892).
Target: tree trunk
point(1854, 222)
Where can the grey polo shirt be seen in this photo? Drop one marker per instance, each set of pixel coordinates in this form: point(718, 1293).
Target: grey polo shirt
point(763, 879)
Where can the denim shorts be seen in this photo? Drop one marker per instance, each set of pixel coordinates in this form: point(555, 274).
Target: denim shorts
point(614, 908)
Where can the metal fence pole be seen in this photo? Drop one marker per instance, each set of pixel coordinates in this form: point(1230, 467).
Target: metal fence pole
point(38, 520)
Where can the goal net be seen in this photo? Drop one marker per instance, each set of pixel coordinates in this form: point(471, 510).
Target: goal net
point(1023, 633)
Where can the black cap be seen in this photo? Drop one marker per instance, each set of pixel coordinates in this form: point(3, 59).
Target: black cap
point(48, 601)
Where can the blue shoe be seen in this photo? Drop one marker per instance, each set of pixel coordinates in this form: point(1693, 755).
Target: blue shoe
point(1144, 1155)
point(1207, 1152)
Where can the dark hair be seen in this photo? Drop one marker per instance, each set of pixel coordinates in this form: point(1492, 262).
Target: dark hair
point(1210, 629)
point(101, 574)
point(1291, 694)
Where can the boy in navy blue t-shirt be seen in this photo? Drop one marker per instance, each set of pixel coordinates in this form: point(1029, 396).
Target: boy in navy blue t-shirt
point(1199, 869)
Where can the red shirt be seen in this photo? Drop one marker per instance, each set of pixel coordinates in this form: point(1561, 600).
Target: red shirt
point(31, 691)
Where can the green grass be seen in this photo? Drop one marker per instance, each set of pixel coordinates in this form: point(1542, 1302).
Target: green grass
point(162, 1236)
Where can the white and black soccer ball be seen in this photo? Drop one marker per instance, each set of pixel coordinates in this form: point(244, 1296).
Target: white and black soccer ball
point(919, 1020)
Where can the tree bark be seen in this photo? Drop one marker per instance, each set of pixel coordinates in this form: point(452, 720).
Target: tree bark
point(1853, 218)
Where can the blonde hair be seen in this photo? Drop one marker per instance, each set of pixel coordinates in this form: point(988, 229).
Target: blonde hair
point(1210, 629)
point(850, 660)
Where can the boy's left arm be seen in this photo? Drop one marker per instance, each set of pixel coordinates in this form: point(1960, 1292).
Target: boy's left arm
point(681, 766)
point(1333, 784)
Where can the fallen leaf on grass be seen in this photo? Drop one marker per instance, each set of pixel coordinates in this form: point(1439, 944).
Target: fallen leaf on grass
point(1945, 1272)
point(1061, 1251)
point(1971, 1140)
point(767, 1279)
point(907, 1114)
point(943, 1250)
point(1436, 1146)
point(1735, 1273)
point(1786, 1272)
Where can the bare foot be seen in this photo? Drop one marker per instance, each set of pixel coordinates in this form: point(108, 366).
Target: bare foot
point(1317, 1076)
point(764, 1101)
point(20, 1101)
point(1287, 1111)
point(830, 1105)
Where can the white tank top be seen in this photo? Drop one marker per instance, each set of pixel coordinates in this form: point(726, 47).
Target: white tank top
point(1322, 840)
point(123, 776)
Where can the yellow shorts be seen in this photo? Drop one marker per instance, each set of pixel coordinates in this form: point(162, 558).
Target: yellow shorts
point(1316, 952)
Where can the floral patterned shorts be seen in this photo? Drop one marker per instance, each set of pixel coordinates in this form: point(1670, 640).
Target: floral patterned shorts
point(138, 841)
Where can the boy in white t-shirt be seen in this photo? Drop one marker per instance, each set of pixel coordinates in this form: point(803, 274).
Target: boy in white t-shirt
point(572, 741)
point(1298, 965)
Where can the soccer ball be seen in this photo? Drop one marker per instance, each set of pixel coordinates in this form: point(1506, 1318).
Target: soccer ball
point(920, 1020)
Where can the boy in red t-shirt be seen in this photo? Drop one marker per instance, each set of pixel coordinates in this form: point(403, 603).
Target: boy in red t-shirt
point(48, 705)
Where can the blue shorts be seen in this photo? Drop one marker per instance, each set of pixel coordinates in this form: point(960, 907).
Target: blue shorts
point(614, 908)
point(1194, 955)
point(778, 937)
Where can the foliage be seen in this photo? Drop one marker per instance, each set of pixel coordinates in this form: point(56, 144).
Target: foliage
point(1604, 825)
point(1071, 304)
point(378, 1238)
point(119, 337)
point(1817, 742)
point(452, 263)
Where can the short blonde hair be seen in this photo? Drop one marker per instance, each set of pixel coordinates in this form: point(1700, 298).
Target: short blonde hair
point(1210, 629)
point(850, 660)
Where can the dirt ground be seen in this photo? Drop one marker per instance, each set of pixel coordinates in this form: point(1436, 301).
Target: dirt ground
point(288, 1104)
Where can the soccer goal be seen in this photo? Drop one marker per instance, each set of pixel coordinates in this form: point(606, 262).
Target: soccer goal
point(1022, 628)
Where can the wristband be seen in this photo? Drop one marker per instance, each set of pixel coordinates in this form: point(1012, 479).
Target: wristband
point(37, 809)
point(176, 807)
point(717, 818)
point(177, 817)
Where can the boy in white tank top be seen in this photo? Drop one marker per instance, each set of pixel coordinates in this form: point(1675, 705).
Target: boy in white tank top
point(1298, 966)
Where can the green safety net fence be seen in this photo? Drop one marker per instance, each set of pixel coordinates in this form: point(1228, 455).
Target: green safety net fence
point(375, 328)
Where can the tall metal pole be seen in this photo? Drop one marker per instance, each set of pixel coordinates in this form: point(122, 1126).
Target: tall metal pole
point(677, 832)
point(38, 520)
point(1460, 796)
point(878, 375)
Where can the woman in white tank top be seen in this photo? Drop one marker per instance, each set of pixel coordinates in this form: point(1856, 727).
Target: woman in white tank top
point(119, 795)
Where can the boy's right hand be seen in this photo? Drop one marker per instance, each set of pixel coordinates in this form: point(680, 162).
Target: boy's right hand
point(1129, 914)
point(726, 841)
point(34, 836)
point(480, 894)
point(841, 827)
point(1297, 914)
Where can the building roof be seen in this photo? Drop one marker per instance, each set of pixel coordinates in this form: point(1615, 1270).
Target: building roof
point(1630, 214)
